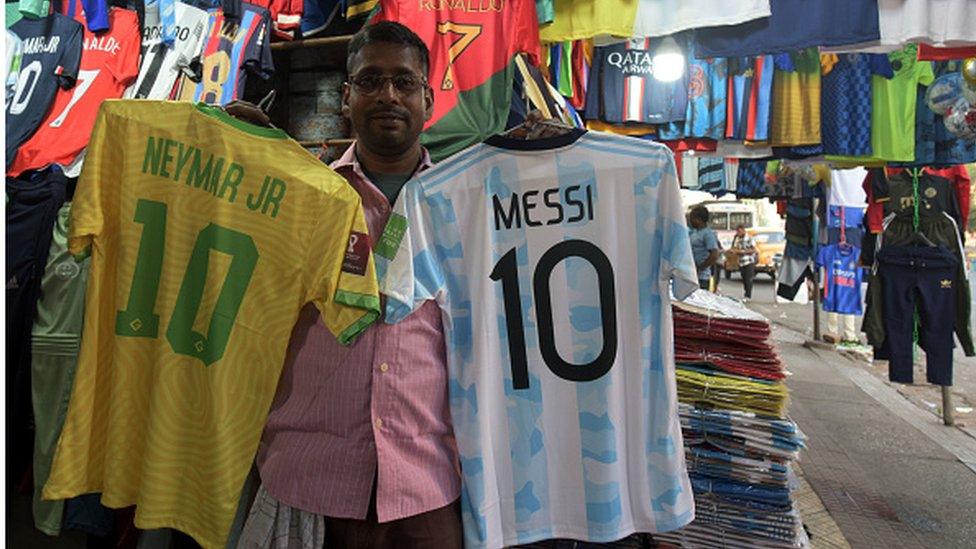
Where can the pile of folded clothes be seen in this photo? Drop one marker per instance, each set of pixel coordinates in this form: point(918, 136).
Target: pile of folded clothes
point(739, 442)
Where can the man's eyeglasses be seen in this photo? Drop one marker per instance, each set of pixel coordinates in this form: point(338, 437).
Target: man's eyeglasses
point(368, 84)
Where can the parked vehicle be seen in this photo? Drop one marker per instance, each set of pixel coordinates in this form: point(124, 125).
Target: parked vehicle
point(724, 216)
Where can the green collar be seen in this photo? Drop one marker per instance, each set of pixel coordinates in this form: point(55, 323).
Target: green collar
point(221, 114)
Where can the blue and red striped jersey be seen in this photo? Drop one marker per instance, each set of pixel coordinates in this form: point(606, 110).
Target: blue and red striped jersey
point(234, 48)
point(624, 87)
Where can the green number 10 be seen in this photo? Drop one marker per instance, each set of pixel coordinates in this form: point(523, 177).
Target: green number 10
point(138, 318)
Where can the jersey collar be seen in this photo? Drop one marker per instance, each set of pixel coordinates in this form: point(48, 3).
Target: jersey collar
point(350, 160)
point(221, 115)
point(543, 144)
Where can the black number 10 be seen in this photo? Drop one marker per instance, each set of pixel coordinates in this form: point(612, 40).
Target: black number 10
point(506, 270)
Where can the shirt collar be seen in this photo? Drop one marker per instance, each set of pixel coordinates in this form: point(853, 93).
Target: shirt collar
point(350, 160)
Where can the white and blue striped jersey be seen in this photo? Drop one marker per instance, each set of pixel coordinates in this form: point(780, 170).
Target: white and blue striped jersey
point(552, 262)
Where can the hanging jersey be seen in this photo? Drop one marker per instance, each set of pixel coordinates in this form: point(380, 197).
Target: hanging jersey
point(941, 23)
point(13, 13)
point(50, 56)
point(555, 292)
point(845, 116)
point(356, 8)
point(936, 194)
point(934, 53)
point(846, 188)
point(545, 11)
point(208, 236)
point(96, 13)
point(794, 25)
point(706, 113)
point(751, 179)
point(14, 55)
point(233, 49)
point(285, 16)
point(795, 119)
point(750, 88)
point(842, 293)
point(109, 63)
point(664, 17)
point(624, 87)
point(317, 15)
point(581, 19)
point(468, 48)
point(161, 64)
point(845, 217)
point(894, 102)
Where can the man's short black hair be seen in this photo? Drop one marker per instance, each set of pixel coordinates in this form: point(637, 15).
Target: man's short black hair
point(390, 33)
point(700, 213)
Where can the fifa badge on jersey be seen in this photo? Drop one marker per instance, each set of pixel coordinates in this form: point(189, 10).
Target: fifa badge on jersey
point(357, 254)
point(947, 284)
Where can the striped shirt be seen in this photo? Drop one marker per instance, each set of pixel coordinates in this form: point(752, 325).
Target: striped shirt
point(377, 407)
point(558, 316)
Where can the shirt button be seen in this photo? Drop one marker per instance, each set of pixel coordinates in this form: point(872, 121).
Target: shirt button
point(384, 367)
point(379, 423)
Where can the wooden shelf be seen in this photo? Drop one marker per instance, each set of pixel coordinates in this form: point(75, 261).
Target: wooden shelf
point(330, 142)
point(325, 41)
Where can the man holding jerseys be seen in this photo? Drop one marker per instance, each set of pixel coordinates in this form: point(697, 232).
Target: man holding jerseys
point(358, 450)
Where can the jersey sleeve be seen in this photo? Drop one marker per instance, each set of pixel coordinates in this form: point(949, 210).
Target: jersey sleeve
point(591, 106)
point(711, 241)
point(259, 58)
point(527, 31)
point(879, 185)
point(961, 185)
point(678, 263)
point(821, 259)
point(341, 275)
point(125, 65)
point(96, 14)
point(926, 75)
point(880, 65)
point(192, 46)
point(67, 69)
point(88, 205)
point(408, 270)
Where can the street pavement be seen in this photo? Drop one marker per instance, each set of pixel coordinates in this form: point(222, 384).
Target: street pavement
point(886, 469)
point(799, 317)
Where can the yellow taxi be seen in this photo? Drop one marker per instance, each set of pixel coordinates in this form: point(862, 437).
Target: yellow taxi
point(770, 243)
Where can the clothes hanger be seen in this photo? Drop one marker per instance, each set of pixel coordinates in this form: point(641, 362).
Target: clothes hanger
point(251, 113)
point(919, 239)
point(537, 127)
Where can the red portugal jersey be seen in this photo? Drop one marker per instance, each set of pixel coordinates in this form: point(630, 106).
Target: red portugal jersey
point(469, 40)
point(109, 63)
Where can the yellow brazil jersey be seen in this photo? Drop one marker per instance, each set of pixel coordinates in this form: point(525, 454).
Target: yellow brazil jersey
point(207, 235)
point(796, 102)
point(579, 19)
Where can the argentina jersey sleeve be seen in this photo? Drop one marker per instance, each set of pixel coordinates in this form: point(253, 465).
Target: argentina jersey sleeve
point(406, 262)
point(676, 258)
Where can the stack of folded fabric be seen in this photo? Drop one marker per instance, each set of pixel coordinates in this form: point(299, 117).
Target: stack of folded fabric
point(739, 442)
